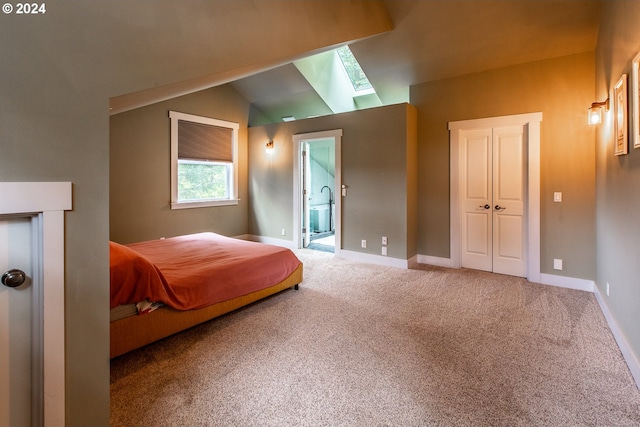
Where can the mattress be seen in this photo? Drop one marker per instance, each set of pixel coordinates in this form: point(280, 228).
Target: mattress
point(196, 270)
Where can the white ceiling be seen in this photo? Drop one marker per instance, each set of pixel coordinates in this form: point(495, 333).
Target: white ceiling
point(432, 40)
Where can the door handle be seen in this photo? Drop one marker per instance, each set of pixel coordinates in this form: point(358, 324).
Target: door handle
point(485, 206)
point(13, 278)
point(499, 208)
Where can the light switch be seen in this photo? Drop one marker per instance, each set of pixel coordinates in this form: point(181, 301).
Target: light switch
point(557, 196)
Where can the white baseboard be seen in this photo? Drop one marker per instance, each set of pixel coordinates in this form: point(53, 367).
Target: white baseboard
point(269, 240)
point(567, 282)
point(433, 260)
point(627, 351)
point(588, 285)
point(413, 261)
point(375, 259)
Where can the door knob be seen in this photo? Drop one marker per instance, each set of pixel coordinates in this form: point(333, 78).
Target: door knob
point(13, 278)
point(499, 208)
point(486, 206)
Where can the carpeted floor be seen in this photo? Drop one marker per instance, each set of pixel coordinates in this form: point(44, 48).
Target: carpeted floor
point(364, 345)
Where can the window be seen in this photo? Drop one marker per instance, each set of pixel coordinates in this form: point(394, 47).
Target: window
point(358, 79)
point(204, 170)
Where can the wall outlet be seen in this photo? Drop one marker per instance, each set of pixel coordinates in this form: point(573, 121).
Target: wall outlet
point(607, 288)
point(384, 250)
point(557, 264)
point(284, 231)
point(557, 196)
point(364, 243)
point(384, 240)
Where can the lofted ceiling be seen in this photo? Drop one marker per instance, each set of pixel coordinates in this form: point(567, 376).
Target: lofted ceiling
point(433, 40)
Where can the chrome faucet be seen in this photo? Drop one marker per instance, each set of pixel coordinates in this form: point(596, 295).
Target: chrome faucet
point(330, 202)
point(330, 193)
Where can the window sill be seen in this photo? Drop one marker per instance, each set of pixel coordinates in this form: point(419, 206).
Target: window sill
point(204, 204)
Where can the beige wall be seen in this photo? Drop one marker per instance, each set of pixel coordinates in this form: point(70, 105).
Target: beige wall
point(140, 175)
point(375, 157)
point(618, 177)
point(561, 89)
point(59, 71)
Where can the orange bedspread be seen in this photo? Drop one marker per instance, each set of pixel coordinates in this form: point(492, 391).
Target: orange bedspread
point(195, 270)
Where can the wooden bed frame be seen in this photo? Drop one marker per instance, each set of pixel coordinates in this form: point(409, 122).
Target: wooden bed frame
point(136, 331)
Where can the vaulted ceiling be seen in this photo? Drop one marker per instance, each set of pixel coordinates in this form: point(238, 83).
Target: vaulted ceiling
point(256, 45)
point(432, 40)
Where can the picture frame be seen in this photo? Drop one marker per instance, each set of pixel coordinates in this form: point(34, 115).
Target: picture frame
point(620, 117)
point(635, 101)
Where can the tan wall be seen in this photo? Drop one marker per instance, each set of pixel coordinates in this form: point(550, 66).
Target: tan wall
point(618, 177)
point(140, 175)
point(59, 71)
point(374, 167)
point(412, 181)
point(561, 89)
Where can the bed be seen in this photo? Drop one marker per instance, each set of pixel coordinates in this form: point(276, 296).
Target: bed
point(161, 287)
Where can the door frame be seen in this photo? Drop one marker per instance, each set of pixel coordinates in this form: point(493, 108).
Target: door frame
point(45, 203)
point(531, 123)
point(298, 141)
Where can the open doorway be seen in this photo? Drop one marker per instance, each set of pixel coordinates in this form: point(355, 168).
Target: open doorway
point(316, 202)
point(318, 158)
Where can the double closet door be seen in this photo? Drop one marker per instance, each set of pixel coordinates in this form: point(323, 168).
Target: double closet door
point(493, 176)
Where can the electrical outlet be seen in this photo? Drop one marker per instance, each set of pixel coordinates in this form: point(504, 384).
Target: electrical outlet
point(284, 231)
point(557, 196)
point(607, 288)
point(364, 243)
point(384, 240)
point(384, 250)
point(557, 264)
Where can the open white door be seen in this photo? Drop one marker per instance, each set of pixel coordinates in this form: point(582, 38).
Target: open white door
point(306, 185)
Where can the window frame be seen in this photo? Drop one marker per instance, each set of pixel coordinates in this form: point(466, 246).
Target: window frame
point(232, 174)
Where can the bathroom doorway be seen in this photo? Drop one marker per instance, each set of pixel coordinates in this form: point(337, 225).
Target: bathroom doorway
point(319, 169)
point(316, 201)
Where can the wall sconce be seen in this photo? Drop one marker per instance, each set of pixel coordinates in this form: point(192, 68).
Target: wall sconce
point(269, 147)
point(595, 112)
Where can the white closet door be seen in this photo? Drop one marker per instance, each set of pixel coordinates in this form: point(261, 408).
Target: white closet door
point(477, 224)
point(493, 200)
point(509, 231)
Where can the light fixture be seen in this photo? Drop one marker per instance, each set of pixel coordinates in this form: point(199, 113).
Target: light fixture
point(269, 147)
point(595, 112)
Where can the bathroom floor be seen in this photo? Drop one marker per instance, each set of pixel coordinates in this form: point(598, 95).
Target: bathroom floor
point(323, 242)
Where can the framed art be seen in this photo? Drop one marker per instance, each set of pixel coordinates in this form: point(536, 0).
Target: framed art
point(620, 116)
point(635, 102)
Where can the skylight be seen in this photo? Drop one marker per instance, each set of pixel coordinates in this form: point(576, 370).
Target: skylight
point(354, 71)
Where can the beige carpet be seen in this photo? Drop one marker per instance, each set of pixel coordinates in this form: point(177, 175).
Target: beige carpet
point(363, 345)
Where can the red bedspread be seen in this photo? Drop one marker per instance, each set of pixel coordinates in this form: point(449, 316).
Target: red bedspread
point(196, 270)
